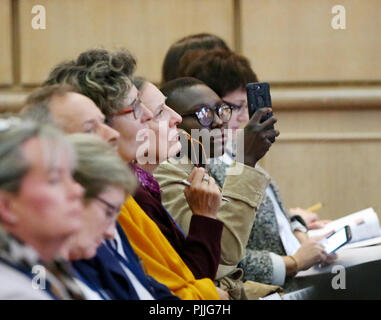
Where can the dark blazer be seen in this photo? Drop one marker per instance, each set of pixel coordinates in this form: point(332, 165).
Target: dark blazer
point(104, 274)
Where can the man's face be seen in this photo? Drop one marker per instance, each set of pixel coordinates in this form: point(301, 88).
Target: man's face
point(75, 113)
point(196, 97)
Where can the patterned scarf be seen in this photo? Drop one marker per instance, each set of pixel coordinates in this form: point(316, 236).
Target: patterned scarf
point(148, 181)
point(59, 280)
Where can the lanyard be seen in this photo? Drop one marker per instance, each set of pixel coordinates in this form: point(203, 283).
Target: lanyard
point(90, 285)
point(136, 270)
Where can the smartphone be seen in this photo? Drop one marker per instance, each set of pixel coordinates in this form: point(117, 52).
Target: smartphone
point(258, 96)
point(337, 240)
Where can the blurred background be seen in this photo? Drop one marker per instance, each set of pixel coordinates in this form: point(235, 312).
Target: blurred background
point(325, 82)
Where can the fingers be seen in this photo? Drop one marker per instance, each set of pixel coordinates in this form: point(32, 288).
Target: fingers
point(192, 174)
point(329, 258)
point(259, 114)
point(269, 122)
point(199, 174)
point(270, 134)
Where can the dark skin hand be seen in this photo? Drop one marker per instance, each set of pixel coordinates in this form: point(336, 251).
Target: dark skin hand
point(257, 135)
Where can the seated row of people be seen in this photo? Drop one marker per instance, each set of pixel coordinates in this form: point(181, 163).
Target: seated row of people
point(151, 222)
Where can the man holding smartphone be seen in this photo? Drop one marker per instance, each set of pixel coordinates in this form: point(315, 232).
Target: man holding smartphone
point(202, 109)
point(278, 246)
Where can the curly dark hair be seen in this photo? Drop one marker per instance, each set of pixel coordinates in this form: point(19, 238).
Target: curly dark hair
point(221, 70)
point(101, 75)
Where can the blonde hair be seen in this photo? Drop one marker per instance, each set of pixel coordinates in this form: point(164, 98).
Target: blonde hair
point(14, 132)
point(99, 166)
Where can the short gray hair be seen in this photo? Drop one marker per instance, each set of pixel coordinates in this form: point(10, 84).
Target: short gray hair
point(99, 166)
point(37, 103)
point(99, 74)
point(14, 132)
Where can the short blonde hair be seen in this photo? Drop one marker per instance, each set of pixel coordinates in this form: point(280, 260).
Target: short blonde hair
point(14, 132)
point(99, 165)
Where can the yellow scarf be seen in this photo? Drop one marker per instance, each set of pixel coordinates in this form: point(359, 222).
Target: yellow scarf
point(160, 259)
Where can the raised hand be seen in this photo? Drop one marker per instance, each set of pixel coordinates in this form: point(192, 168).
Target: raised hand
point(257, 135)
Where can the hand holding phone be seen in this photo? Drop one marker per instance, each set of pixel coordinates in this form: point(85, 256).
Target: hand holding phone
point(336, 240)
point(257, 136)
point(258, 96)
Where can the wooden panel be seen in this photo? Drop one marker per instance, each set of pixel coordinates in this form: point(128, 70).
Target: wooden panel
point(331, 157)
point(6, 77)
point(292, 40)
point(146, 27)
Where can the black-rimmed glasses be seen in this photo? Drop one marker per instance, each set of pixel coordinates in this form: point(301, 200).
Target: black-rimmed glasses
point(205, 114)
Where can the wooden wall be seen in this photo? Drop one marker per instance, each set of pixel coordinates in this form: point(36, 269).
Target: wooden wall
point(329, 149)
point(326, 83)
point(6, 76)
point(293, 41)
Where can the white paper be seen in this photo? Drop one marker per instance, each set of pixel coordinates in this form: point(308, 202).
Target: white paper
point(346, 258)
point(364, 225)
point(363, 243)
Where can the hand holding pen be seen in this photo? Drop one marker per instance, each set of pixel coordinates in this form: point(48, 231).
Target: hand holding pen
point(202, 193)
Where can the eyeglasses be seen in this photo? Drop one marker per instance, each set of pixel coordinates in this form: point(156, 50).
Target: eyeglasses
point(237, 107)
point(205, 114)
point(112, 211)
point(135, 107)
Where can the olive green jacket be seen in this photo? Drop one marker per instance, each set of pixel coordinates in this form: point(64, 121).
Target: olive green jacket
point(244, 191)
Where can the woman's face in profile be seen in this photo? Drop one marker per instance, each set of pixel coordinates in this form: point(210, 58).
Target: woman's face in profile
point(48, 206)
point(240, 114)
point(98, 223)
point(133, 132)
point(165, 141)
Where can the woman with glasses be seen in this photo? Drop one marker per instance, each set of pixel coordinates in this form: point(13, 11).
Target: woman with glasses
point(105, 78)
point(201, 248)
point(107, 182)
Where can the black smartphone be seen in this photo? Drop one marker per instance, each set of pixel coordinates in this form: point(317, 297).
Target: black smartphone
point(336, 240)
point(258, 96)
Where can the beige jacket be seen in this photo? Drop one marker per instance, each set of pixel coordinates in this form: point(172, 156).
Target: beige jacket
point(244, 191)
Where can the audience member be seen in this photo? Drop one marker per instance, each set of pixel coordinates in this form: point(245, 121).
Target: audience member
point(107, 181)
point(278, 246)
point(40, 209)
point(205, 41)
point(201, 248)
point(201, 108)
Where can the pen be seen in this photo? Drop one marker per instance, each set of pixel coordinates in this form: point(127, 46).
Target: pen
point(187, 183)
point(315, 207)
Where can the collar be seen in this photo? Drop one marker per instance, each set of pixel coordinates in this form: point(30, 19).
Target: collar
point(17, 252)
